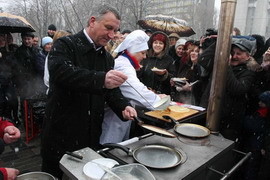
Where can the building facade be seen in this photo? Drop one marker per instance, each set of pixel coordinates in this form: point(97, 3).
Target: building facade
point(253, 17)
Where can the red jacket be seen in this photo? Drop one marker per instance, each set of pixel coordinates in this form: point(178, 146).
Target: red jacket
point(3, 125)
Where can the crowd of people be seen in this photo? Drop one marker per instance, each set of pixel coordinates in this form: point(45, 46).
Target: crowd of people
point(94, 79)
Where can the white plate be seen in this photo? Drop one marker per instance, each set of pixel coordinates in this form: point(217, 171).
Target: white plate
point(93, 171)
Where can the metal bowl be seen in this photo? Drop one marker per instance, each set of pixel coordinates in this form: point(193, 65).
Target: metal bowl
point(35, 176)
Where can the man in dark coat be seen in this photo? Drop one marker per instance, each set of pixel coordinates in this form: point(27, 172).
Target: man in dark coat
point(25, 79)
point(238, 84)
point(81, 83)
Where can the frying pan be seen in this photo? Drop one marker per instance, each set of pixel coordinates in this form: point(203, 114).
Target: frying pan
point(189, 129)
point(153, 156)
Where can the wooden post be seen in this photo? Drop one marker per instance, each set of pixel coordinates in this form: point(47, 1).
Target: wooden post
point(223, 48)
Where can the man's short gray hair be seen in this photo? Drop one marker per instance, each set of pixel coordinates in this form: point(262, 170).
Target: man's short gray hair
point(104, 9)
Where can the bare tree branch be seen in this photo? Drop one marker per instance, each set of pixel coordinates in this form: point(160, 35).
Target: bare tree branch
point(76, 13)
point(67, 16)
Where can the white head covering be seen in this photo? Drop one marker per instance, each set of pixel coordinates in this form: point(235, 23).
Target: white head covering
point(136, 41)
point(180, 42)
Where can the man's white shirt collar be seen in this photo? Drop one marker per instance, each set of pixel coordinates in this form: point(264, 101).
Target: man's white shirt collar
point(90, 40)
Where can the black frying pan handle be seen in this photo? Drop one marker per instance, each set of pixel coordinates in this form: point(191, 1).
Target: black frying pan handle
point(74, 155)
point(170, 118)
point(118, 146)
point(140, 122)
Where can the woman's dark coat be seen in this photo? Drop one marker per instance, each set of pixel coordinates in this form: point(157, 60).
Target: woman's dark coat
point(201, 89)
point(191, 73)
point(158, 83)
point(40, 62)
point(76, 98)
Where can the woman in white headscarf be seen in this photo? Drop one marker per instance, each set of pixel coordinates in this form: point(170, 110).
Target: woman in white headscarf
point(130, 53)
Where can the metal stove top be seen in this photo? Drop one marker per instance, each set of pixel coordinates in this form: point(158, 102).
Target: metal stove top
point(198, 153)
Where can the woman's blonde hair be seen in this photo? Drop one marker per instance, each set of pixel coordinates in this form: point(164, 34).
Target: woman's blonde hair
point(60, 33)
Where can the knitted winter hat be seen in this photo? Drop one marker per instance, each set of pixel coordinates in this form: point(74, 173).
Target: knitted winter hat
point(52, 27)
point(180, 42)
point(46, 40)
point(265, 98)
point(160, 37)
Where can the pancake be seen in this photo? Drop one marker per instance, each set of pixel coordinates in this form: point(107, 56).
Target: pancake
point(178, 109)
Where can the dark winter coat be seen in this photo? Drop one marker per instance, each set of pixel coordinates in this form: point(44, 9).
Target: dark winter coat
point(7, 66)
point(76, 98)
point(255, 129)
point(206, 63)
point(159, 83)
point(172, 53)
point(25, 79)
point(234, 104)
point(40, 62)
point(8, 95)
point(26, 59)
point(191, 74)
point(266, 77)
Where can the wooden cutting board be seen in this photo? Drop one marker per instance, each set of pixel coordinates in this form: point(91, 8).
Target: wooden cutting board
point(176, 115)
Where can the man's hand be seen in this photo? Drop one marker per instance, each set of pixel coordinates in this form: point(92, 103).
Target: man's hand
point(129, 113)
point(114, 79)
point(11, 134)
point(12, 173)
point(266, 60)
point(266, 55)
point(186, 87)
point(172, 82)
